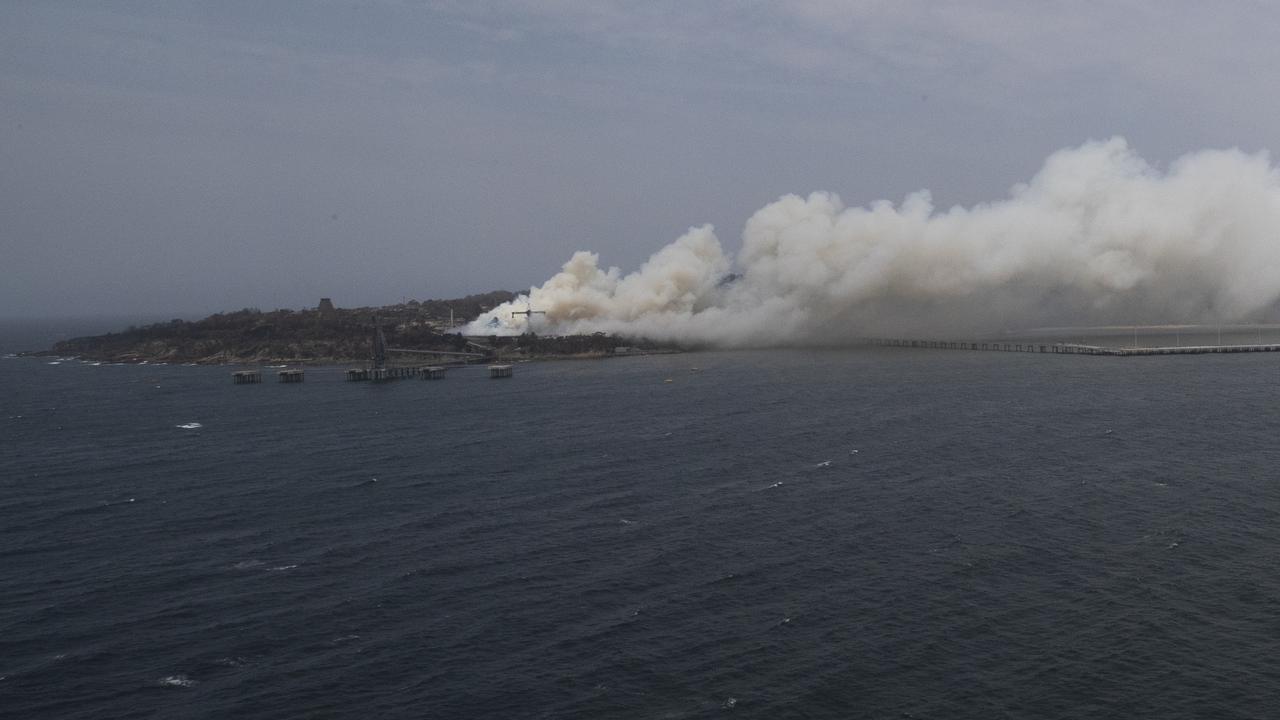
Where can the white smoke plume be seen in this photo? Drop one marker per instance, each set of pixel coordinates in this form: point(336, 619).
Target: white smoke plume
point(1098, 236)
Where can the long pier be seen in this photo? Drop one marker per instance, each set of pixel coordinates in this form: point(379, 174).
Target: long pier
point(380, 370)
point(1060, 348)
point(383, 374)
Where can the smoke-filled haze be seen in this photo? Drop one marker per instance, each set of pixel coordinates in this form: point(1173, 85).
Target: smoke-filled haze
point(1096, 236)
point(180, 158)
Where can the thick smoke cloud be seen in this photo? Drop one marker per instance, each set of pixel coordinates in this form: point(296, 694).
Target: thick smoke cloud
point(1098, 236)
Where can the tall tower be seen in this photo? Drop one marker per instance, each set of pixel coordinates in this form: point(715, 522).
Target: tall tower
point(379, 358)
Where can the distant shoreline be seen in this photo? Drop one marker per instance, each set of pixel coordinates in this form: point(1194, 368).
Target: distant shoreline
point(328, 335)
point(340, 363)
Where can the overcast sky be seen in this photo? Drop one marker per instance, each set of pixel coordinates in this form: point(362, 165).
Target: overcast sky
point(184, 158)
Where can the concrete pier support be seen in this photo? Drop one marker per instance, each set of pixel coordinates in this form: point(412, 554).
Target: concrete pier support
point(246, 377)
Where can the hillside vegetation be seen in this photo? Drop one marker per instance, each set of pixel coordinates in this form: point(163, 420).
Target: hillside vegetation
point(331, 335)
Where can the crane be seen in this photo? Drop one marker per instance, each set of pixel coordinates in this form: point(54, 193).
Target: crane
point(528, 312)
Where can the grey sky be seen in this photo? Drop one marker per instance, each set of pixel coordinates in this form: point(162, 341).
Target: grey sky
point(185, 158)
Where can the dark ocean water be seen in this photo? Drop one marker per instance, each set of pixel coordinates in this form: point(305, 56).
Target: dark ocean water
point(1016, 536)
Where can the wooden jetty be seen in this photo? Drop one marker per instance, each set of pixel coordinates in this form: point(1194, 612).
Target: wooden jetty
point(499, 371)
point(291, 376)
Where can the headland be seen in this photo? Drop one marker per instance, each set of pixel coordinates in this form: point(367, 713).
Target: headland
point(327, 334)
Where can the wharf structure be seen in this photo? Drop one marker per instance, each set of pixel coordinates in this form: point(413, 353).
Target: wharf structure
point(1061, 348)
point(381, 370)
point(394, 373)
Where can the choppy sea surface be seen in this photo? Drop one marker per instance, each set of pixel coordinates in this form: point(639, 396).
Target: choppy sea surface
point(878, 533)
